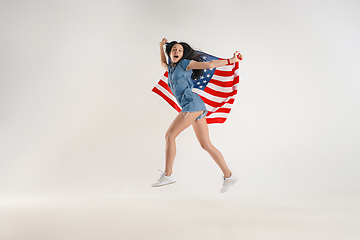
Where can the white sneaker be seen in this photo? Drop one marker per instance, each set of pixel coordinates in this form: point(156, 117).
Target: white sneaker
point(164, 180)
point(228, 182)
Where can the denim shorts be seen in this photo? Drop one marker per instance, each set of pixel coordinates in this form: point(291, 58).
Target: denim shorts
point(191, 102)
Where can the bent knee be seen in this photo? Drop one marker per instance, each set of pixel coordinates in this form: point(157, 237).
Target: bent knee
point(206, 146)
point(169, 136)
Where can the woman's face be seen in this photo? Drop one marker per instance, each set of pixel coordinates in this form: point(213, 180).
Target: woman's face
point(176, 53)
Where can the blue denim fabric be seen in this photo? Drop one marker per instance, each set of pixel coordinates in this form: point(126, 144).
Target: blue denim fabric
point(181, 84)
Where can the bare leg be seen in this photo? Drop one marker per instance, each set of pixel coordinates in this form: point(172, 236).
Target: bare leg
point(202, 134)
point(180, 123)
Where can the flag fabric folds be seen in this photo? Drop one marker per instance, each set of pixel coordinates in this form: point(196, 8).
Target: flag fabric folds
point(217, 87)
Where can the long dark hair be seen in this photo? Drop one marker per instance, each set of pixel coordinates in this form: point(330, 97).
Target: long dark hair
point(189, 54)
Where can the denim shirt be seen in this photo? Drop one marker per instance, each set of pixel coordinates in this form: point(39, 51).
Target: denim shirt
point(179, 79)
point(181, 84)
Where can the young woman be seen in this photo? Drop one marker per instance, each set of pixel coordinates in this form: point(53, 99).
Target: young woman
point(186, 65)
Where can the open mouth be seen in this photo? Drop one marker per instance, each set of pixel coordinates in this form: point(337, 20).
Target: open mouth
point(176, 57)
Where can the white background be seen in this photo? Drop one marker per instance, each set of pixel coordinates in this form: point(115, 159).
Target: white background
point(77, 115)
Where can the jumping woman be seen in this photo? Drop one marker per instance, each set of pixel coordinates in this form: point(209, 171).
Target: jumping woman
point(186, 64)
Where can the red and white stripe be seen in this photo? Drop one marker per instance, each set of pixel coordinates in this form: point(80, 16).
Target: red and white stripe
point(218, 96)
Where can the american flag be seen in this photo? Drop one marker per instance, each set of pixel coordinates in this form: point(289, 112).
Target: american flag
point(217, 87)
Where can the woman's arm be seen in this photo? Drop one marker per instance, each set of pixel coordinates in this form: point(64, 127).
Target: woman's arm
point(213, 64)
point(162, 54)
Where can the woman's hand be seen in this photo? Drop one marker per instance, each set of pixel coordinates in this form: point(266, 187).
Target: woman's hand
point(163, 41)
point(162, 54)
point(235, 58)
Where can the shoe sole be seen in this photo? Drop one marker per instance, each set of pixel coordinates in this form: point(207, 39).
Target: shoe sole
point(230, 185)
point(164, 184)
